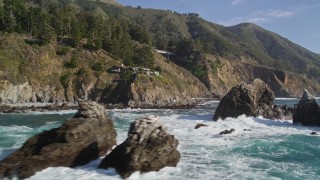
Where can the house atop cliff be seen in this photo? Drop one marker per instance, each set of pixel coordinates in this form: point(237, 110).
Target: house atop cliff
point(134, 70)
point(166, 54)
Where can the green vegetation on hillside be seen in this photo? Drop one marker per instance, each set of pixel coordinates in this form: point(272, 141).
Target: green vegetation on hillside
point(78, 25)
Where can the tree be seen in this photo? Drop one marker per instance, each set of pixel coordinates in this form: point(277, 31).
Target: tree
point(76, 33)
point(144, 57)
point(185, 47)
point(2, 19)
point(140, 34)
point(10, 22)
point(46, 34)
point(15, 13)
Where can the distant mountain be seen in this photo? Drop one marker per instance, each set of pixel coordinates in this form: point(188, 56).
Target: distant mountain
point(273, 50)
point(242, 44)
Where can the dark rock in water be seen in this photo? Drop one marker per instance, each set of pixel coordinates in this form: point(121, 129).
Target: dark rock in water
point(148, 148)
point(85, 137)
point(314, 133)
point(307, 112)
point(227, 131)
point(287, 111)
point(254, 99)
point(200, 125)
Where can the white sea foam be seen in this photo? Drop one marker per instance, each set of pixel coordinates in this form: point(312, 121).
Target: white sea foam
point(29, 104)
point(287, 98)
point(50, 112)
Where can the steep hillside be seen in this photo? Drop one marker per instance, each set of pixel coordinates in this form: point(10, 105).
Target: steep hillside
point(223, 74)
point(275, 51)
point(246, 48)
point(58, 73)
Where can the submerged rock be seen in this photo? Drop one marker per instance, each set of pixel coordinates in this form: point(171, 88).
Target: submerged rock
point(314, 133)
point(148, 148)
point(254, 99)
point(307, 112)
point(227, 131)
point(85, 137)
point(200, 125)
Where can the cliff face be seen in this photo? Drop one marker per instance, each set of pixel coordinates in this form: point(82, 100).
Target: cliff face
point(226, 73)
point(25, 93)
point(150, 92)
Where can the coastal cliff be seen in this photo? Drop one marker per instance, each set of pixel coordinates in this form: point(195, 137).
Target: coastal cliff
point(47, 77)
point(230, 72)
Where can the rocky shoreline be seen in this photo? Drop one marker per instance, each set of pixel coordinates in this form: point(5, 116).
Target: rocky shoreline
point(49, 107)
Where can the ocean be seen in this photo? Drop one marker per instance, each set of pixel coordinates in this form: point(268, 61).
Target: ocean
point(273, 149)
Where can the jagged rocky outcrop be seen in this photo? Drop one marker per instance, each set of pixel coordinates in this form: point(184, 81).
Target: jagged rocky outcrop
point(200, 125)
point(307, 112)
point(148, 147)
point(227, 131)
point(254, 99)
point(85, 137)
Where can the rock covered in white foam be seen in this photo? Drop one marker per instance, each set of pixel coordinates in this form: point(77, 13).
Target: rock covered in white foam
point(255, 99)
point(307, 111)
point(85, 137)
point(307, 96)
point(149, 147)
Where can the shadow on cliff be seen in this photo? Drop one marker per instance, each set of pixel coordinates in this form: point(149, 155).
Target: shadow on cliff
point(118, 93)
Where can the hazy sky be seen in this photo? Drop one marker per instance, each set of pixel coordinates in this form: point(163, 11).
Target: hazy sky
point(297, 20)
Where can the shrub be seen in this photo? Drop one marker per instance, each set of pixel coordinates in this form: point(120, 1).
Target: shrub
point(158, 68)
point(74, 62)
point(64, 80)
point(81, 72)
point(98, 67)
point(62, 51)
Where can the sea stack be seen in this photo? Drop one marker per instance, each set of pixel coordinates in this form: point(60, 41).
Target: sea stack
point(148, 147)
point(81, 139)
point(307, 112)
point(255, 99)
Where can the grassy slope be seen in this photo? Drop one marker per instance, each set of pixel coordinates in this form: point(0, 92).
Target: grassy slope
point(273, 50)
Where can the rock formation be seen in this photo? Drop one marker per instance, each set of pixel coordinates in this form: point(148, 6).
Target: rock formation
point(307, 112)
point(254, 99)
point(227, 131)
point(314, 133)
point(85, 137)
point(148, 148)
point(200, 125)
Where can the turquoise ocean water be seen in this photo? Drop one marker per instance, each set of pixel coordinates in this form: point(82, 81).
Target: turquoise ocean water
point(271, 150)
